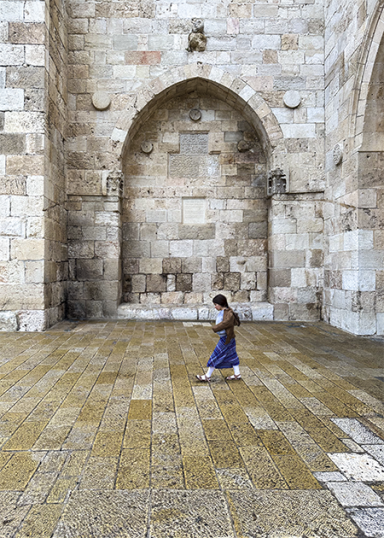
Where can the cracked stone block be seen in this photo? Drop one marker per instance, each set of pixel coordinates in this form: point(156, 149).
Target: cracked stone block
point(354, 494)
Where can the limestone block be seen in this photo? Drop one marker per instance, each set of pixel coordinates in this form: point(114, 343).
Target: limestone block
point(4, 249)
point(181, 249)
point(232, 281)
point(81, 249)
point(34, 271)
point(138, 283)
point(172, 265)
point(26, 32)
point(89, 269)
point(380, 324)
point(27, 249)
point(136, 249)
point(299, 130)
point(172, 297)
point(107, 249)
point(183, 282)
point(160, 249)
point(262, 312)
point(12, 227)
point(24, 122)
point(26, 164)
point(150, 265)
point(156, 216)
point(201, 282)
point(34, 11)
point(248, 281)
point(11, 99)
point(258, 230)
point(310, 225)
point(8, 321)
point(289, 259)
point(106, 218)
point(270, 42)
point(184, 314)
point(11, 54)
point(171, 283)
point(156, 283)
point(11, 11)
point(192, 265)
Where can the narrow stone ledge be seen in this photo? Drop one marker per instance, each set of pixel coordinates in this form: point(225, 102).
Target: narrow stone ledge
point(193, 312)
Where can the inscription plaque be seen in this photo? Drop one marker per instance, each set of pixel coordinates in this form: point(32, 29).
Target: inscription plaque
point(193, 210)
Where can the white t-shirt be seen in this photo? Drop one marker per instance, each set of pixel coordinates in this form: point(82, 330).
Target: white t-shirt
point(219, 319)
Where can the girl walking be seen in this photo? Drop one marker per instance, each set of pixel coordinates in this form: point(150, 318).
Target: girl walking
point(224, 354)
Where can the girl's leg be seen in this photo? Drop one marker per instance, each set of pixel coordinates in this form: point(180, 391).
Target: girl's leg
point(210, 371)
point(236, 369)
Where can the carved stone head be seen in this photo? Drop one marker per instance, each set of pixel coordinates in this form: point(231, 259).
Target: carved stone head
point(197, 26)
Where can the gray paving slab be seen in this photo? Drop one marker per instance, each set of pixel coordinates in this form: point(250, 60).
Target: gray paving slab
point(369, 520)
point(354, 494)
point(359, 467)
point(357, 431)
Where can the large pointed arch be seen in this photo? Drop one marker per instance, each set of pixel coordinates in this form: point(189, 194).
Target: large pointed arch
point(369, 51)
point(212, 80)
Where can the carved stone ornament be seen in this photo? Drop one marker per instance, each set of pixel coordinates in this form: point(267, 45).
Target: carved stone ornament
point(195, 114)
point(197, 41)
point(292, 99)
point(244, 145)
point(115, 183)
point(147, 147)
point(277, 182)
point(101, 100)
point(338, 154)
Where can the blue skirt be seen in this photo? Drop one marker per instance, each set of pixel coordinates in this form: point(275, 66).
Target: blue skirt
point(224, 356)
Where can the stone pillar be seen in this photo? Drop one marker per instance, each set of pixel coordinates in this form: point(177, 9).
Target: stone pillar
point(94, 251)
point(295, 261)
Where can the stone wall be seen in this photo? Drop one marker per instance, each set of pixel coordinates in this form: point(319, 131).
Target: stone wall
point(354, 208)
point(131, 51)
point(32, 80)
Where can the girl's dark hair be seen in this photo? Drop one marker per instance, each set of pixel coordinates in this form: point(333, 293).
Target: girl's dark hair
point(220, 300)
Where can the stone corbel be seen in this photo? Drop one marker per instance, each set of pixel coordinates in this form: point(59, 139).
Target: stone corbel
point(277, 182)
point(113, 183)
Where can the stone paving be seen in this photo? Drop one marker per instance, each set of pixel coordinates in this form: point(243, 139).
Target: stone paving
point(106, 432)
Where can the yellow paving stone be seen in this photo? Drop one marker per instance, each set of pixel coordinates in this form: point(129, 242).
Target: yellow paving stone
point(137, 434)
point(225, 454)
point(107, 444)
point(199, 473)
point(295, 472)
point(233, 413)
point(216, 429)
point(134, 469)
point(261, 468)
point(140, 410)
point(17, 472)
point(194, 447)
point(25, 436)
point(244, 434)
point(4, 458)
point(275, 442)
point(41, 521)
point(165, 446)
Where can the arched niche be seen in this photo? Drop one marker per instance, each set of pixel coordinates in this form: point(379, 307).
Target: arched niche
point(194, 214)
